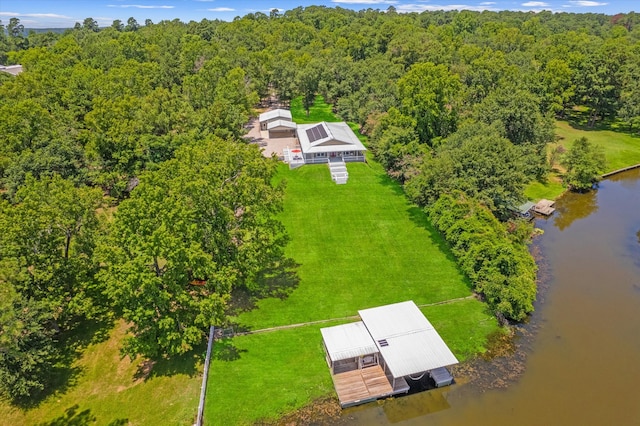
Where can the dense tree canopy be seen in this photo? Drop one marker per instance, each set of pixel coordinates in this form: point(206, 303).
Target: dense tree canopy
point(454, 103)
point(585, 163)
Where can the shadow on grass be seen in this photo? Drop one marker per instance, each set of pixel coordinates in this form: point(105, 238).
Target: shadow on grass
point(73, 417)
point(71, 344)
point(388, 182)
point(419, 217)
point(187, 364)
point(278, 281)
point(579, 120)
point(225, 350)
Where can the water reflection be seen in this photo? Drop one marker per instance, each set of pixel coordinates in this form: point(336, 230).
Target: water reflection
point(574, 207)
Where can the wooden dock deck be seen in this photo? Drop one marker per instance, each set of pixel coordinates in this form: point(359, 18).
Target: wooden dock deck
point(359, 386)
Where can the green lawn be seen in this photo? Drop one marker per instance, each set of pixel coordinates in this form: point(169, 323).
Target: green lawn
point(108, 391)
point(320, 111)
point(264, 376)
point(357, 245)
point(551, 189)
point(621, 149)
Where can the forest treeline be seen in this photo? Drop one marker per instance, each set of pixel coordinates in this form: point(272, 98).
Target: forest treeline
point(127, 190)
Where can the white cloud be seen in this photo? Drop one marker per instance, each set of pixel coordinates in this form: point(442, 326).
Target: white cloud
point(35, 15)
point(140, 6)
point(365, 1)
point(535, 4)
point(221, 9)
point(585, 3)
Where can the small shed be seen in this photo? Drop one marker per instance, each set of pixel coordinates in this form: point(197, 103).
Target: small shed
point(523, 210)
point(274, 115)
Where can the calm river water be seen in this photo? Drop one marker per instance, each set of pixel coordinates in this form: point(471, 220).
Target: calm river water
point(582, 360)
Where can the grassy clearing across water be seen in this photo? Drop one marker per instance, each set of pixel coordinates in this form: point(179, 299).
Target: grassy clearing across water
point(621, 150)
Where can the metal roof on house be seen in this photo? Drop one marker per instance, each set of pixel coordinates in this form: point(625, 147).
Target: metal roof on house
point(328, 137)
point(348, 341)
point(11, 69)
point(281, 123)
point(275, 114)
point(406, 339)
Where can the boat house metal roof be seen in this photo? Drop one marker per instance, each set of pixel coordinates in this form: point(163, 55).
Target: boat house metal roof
point(406, 340)
point(348, 341)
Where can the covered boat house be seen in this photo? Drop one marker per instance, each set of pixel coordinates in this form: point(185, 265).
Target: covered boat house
point(378, 356)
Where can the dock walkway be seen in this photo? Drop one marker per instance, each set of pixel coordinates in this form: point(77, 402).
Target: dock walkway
point(368, 384)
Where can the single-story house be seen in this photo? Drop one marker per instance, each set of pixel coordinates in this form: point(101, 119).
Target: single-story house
point(376, 357)
point(321, 142)
point(274, 115)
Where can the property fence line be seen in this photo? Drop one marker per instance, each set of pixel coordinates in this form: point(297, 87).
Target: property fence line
point(351, 317)
point(205, 375)
point(615, 172)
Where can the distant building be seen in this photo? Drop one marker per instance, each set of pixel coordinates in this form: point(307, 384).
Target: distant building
point(11, 69)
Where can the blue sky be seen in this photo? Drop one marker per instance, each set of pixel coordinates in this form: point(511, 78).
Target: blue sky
point(65, 13)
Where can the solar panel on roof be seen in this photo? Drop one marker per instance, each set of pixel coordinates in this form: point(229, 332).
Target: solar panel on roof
point(316, 133)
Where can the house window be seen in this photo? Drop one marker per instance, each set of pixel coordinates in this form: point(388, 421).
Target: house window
point(321, 154)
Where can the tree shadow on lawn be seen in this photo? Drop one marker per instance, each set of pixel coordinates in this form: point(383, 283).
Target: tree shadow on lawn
point(71, 343)
point(420, 218)
point(579, 120)
point(73, 417)
point(225, 350)
point(395, 186)
point(187, 364)
point(278, 281)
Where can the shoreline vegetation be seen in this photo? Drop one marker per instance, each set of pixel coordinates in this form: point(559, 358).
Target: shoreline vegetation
point(150, 218)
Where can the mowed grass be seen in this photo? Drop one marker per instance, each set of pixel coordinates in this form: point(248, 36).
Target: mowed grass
point(320, 111)
point(621, 150)
point(357, 245)
point(108, 390)
point(267, 375)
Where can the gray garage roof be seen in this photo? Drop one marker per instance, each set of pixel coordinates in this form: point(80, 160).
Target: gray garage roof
point(275, 114)
point(406, 339)
point(281, 123)
point(348, 341)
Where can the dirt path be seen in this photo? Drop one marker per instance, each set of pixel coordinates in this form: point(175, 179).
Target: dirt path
point(352, 317)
